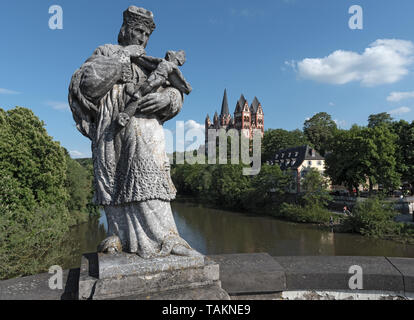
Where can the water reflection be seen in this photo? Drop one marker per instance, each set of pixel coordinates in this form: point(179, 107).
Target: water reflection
point(212, 231)
point(82, 239)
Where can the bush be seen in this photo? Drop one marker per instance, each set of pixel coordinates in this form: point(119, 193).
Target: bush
point(373, 217)
point(30, 241)
point(304, 214)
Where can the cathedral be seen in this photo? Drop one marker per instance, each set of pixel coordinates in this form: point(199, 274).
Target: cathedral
point(245, 118)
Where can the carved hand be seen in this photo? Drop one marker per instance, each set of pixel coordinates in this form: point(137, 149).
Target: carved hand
point(154, 102)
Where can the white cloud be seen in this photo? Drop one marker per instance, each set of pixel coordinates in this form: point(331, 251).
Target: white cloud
point(193, 133)
point(331, 104)
point(58, 105)
point(398, 96)
point(190, 124)
point(384, 61)
point(7, 91)
point(291, 64)
point(76, 154)
point(400, 111)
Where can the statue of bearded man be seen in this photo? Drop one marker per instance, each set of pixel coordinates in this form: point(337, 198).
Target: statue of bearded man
point(131, 168)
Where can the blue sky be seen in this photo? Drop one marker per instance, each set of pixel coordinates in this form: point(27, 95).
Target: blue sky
point(299, 57)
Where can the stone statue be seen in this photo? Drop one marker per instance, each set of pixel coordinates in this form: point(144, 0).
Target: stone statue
point(131, 167)
point(164, 70)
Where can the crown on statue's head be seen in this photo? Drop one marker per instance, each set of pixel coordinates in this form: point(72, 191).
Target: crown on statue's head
point(135, 16)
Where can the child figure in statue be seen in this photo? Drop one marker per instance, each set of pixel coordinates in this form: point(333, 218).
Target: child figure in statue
point(166, 72)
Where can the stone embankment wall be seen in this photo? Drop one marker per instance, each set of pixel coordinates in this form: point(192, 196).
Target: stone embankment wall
point(260, 276)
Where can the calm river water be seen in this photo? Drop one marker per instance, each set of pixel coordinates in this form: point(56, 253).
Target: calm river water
point(213, 231)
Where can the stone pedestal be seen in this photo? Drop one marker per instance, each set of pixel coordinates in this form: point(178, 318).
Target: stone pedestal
point(105, 276)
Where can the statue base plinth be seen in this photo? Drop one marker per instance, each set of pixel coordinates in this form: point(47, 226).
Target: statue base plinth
point(106, 276)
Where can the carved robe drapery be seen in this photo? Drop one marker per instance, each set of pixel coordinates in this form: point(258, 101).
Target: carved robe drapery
point(130, 163)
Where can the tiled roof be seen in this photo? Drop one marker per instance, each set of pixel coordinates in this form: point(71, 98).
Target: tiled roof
point(225, 105)
point(240, 104)
point(255, 105)
point(294, 157)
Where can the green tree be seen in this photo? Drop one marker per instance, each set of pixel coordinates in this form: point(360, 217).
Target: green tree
point(320, 131)
point(362, 155)
point(78, 186)
point(268, 186)
point(379, 119)
point(88, 175)
point(31, 157)
point(33, 214)
point(315, 186)
point(404, 152)
point(229, 186)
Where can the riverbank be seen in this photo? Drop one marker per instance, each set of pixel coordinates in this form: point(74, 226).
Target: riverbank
point(404, 235)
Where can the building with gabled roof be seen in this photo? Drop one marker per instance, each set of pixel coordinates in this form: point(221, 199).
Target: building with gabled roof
point(299, 160)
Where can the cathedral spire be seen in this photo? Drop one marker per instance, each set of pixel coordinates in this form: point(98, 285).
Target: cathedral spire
point(225, 105)
point(255, 105)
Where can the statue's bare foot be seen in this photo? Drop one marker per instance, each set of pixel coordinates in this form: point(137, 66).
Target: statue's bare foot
point(181, 250)
point(110, 245)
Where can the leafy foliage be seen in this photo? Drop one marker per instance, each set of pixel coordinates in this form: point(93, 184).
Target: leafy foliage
point(374, 218)
point(404, 150)
point(305, 214)
point(43, 192)
point(379, 119)
point(313, 202)
point(316, 189)
point(31, 157)
point(362, 154)
point(320, 131)
point(225, 185)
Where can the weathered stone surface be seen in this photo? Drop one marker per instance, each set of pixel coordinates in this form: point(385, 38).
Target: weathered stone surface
point(132, 278)
point(250, 273)
point(406, 267)
point(131, 167)
point(36, 287)
point(88, 276)
point(210, 292)
point(315, 271)
point(111, 266)
point(331, 273)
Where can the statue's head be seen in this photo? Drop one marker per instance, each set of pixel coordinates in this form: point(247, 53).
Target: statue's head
point(137, 27)
point(178, 57)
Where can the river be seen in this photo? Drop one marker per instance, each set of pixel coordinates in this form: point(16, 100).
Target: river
point(212, 231)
